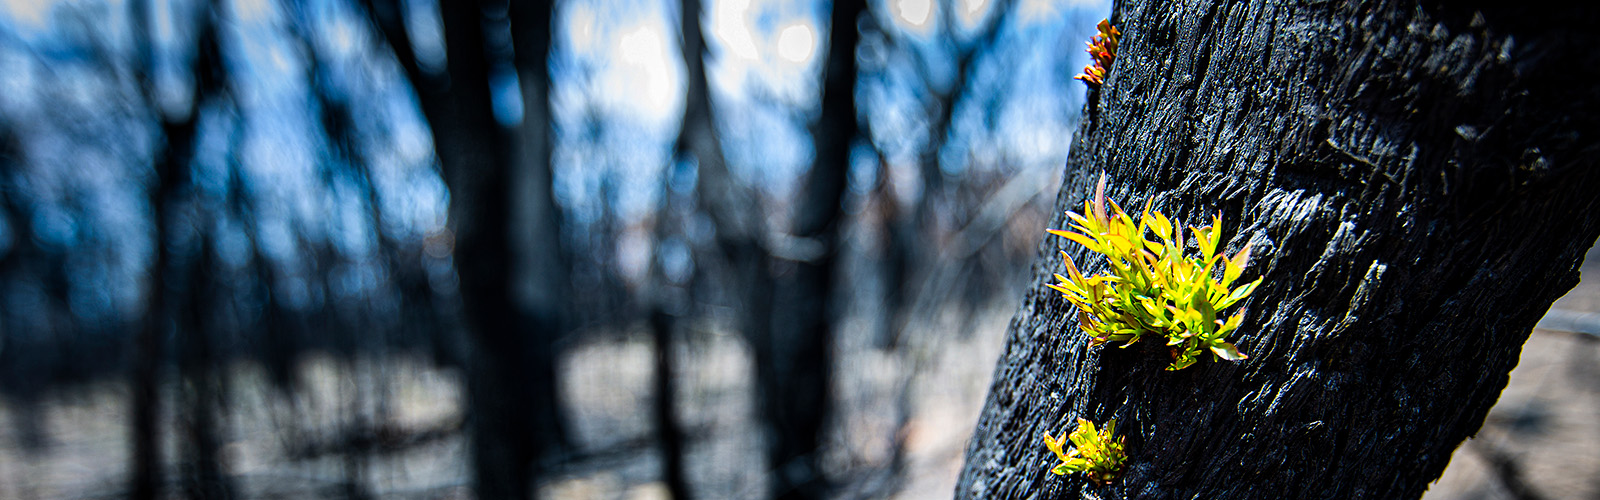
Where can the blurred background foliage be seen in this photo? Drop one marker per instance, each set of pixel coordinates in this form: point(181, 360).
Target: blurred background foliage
point(588, 249)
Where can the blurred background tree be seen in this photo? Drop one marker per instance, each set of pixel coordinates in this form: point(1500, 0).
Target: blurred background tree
point(313, 247)
point(573, 249)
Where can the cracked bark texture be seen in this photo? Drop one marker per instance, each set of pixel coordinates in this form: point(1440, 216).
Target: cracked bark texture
point(1420, 184)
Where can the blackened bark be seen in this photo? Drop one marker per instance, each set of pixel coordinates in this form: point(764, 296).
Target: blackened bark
point(546, 284)
point(171, 164)
point(732, 207)
point(669, 428)
point(735, 212)
point(1418, 181)
point(202, 383)
point(476, 154)
point(911, 270)
point(796, 396)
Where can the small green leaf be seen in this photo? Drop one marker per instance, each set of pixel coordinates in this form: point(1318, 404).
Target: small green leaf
point(1228, 351)
point(1072, 268)
point(1208, 315)
point(1204, 238)
point(1118, 243)
point(1084, 427)
point(1235, 265)
point(1161, 225)
point(1243, 291)
point(1232, 324)
point(1086, 241)
point(1118, 215)
point(1216, 230)
point(1100, 198)
point(1180, 364)
point(1078, 219)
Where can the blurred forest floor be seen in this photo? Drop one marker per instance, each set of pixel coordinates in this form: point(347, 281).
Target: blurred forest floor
point(389, 426)
point(1542, 438)
point(294, 444)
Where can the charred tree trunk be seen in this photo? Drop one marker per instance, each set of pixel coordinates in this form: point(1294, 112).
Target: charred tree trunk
point(508, 392)
point(912, 268)
point(734, 210)
point(796, 363)
point(545, 282)
point(475, 154)
point(198, 361)
point(171, 166)
point(1419, 188)
point(201, 381)
point(669, 426)
point(732, 207)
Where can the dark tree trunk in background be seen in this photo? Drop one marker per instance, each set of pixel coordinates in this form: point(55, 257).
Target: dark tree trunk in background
point(669, 427)
point(476, 156)
point(171, 166)
point(736, 214)
point(202, 384)
point(786, 320)
point(511, 386)
point(536, 221)
point(734, 209)
point(795, 365)
point(1420, 184)
point(913, 266)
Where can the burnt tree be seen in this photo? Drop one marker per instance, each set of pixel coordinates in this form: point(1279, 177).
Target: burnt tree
point(171, 164)
point(794, 366)
point(1419, 181)
point(512, 325)
point(784, 288)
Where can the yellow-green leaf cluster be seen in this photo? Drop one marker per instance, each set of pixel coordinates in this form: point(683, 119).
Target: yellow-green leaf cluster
point(1096, 454)
point(1155, 287)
